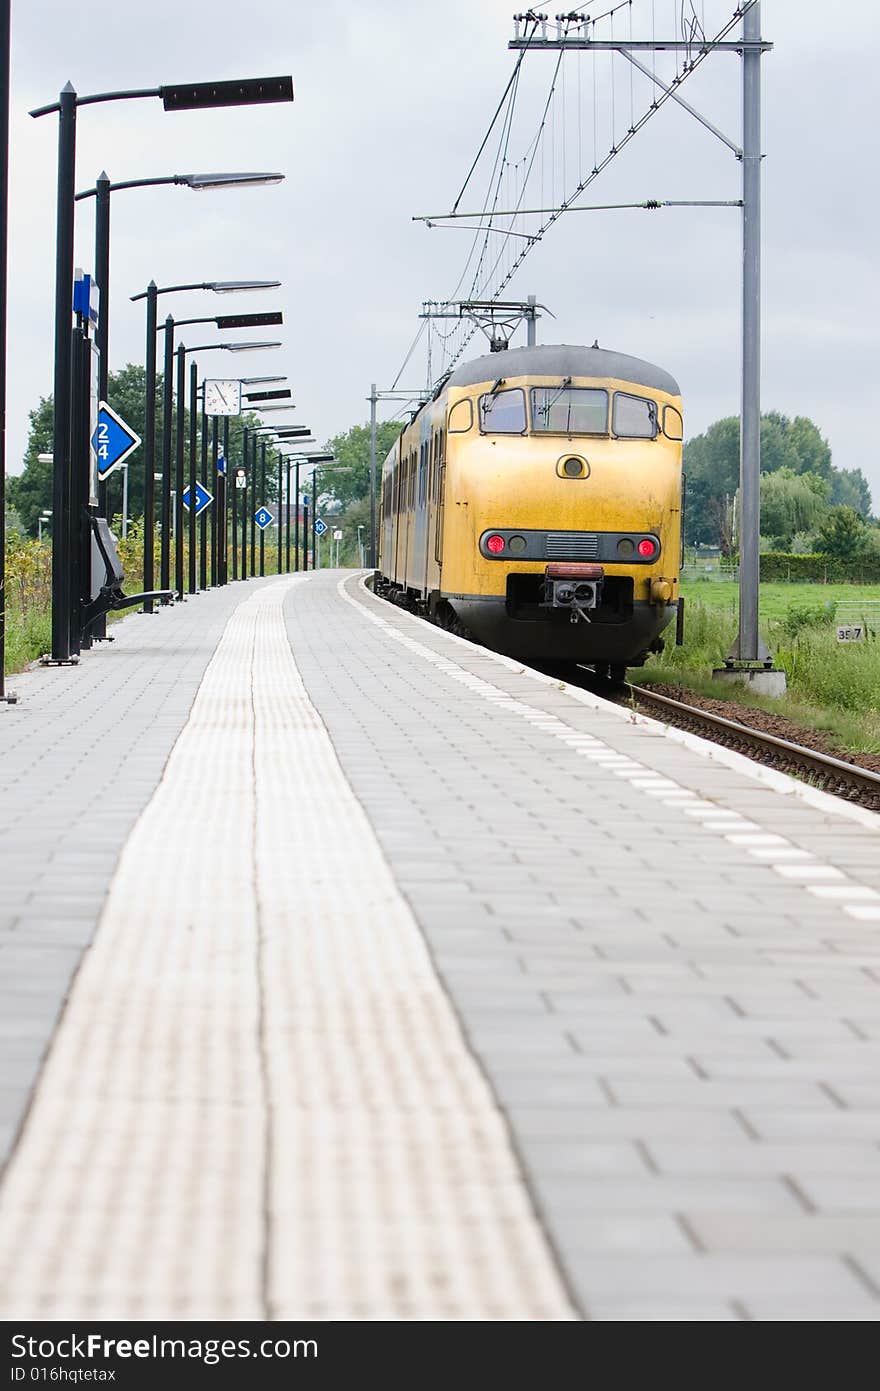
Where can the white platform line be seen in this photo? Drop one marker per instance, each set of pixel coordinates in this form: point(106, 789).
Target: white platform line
point(708, 814)
point(259, 1102)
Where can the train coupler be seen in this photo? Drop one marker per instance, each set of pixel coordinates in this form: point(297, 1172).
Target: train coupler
point(575, 587)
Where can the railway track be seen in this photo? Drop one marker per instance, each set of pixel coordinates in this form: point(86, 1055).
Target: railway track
point(834, 775)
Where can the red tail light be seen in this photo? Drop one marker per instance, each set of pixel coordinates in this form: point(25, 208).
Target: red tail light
point(647, 547)
point(495, 544)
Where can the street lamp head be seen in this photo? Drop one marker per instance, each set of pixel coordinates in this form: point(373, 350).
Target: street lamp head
point(257, 381)
point(247, 348)
point(250, 91)
point(202, 182)
point(226, 287)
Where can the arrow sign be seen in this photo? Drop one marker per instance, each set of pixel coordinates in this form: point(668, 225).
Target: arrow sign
point(112, 441)
point(203, 499)
point(263, 518)
point(320, 527)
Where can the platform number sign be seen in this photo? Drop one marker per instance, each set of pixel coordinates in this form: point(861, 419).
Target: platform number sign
point(850, 632)
point(112, 441)
point(320, 526)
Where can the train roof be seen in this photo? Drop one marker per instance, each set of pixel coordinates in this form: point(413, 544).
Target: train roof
point(563, 360)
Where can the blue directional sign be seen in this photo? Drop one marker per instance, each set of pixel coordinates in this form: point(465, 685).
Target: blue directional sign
point(221, 463)
point(320, 526)
point(203, 498)
point(112, 441)
point(263, 518)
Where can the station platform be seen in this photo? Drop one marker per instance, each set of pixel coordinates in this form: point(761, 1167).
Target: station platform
point(352, 971)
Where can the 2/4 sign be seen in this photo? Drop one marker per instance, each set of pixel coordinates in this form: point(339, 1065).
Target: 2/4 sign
point(112, 441)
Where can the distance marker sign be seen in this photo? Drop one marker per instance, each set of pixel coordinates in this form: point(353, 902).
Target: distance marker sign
point(112, 441)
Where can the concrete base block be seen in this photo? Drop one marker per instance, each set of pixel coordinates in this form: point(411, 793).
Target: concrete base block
point(766, 681)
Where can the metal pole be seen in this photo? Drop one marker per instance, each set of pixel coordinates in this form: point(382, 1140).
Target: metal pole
point(203, 519)
point(193, 443)
point(252, 479)
point(749, 648)
point(224, 553)
point(102, 332)
point(279, 522)
point(373, 399)
point(216, 509)
point(287, 520)
point(180, 422)
point(531, 322)
point(296, 520)
point(245, 460)
point(5, 21)
point(61, 530)
point(234, 502)
point(262, 504)
point(150, 443)
point(167, 425)
point(124, 500)
point(305, 531)
point(316, 540)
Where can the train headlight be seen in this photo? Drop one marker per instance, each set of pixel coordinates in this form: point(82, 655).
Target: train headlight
point(516, 545)
point(625, 546)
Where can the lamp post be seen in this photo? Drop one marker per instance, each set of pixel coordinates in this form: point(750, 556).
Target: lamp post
point(151, 295)
point(5, 25)
point(174, 98)
point(101, 193)
point(182, 351)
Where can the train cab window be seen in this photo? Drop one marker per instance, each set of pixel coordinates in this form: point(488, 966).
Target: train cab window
point(569, 410)
point(633, 417)
point(503, 412)
point(461, 417)
point(673, 425)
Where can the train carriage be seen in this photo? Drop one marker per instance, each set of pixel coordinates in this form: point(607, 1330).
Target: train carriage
point(536, 501)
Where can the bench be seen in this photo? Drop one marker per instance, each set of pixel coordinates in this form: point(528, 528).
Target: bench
point(110, 595)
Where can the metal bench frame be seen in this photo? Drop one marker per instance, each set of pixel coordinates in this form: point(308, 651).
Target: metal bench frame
point(110, 595)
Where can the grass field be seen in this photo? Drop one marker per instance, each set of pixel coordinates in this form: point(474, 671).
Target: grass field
point(778, 598)
point(831, 686)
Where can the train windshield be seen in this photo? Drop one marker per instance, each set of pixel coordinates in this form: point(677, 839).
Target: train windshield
point(503, 412)
point(569, 410)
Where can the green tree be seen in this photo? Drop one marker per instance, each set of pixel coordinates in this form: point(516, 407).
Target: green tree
point(352, 449)
point(849, 488)
point(31, 491)
point(790, 503)
point(843, 534)
point(711, 463)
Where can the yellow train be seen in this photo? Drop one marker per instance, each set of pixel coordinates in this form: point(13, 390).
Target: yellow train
point(536, 502)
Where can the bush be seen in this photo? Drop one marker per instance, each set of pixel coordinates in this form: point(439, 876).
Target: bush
point(806, 615)
point(819, 569)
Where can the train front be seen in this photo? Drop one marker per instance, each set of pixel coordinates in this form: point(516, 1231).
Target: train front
point(562, 533)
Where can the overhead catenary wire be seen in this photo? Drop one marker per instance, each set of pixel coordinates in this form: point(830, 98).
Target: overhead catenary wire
point(489, 289)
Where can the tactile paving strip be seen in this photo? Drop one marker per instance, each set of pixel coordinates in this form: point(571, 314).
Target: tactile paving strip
point(259, 1103)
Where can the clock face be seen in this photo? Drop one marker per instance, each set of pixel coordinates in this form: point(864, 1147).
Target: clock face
point(222, 398)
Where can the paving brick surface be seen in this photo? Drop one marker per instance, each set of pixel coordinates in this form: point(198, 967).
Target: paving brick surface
point(683, 1037)
point(81, 754)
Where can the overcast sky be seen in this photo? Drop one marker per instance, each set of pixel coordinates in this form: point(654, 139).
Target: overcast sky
point(392, 100)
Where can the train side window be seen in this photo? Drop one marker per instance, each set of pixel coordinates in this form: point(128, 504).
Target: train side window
point(633, 417)
point(503, 412)
point(673, 425)
point(461, 417)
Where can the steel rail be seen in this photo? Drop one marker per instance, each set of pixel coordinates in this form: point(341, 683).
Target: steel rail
point(863, 779)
